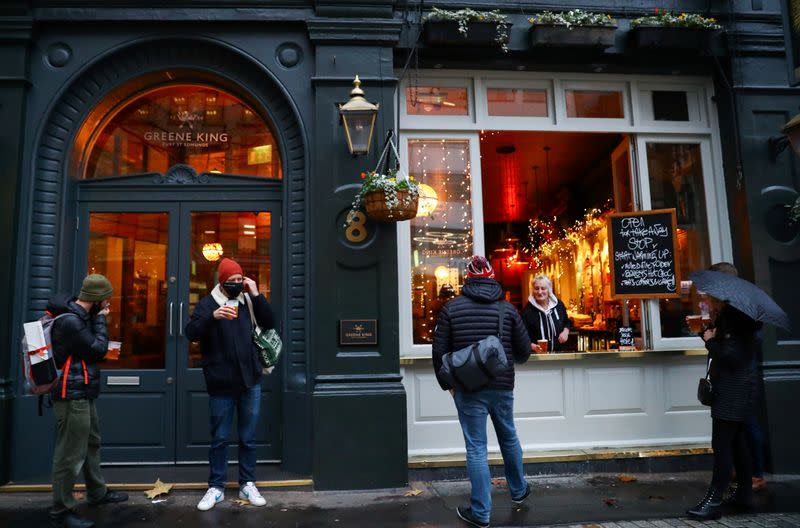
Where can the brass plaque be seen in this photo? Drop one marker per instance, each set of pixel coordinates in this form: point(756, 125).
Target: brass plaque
point(358, 331)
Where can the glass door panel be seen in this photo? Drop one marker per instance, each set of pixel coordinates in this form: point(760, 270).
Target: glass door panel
point(131, 250)
point(243, 236)
point(676, 180)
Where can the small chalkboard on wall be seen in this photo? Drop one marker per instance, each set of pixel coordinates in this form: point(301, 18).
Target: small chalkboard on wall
point(625, 338)
point(642, 249)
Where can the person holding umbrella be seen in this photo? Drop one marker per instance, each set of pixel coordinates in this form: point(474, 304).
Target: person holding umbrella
point(739, 308)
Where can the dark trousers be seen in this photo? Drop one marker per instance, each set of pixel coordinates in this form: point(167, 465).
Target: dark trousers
point(77, 452)
point(729, 441)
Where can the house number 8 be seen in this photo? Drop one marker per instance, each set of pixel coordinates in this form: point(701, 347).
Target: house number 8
point(356, 230)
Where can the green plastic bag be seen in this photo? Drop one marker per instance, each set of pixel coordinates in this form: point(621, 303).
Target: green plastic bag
point(267, 342)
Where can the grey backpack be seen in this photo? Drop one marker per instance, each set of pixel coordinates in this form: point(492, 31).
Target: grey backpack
point(473, 367)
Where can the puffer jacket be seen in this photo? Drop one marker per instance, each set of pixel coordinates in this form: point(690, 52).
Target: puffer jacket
point(733, 377)
point(80, 339)
point(229, 356)
point(473, 316)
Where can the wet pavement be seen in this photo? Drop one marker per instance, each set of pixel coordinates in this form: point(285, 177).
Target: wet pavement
point(578, 500)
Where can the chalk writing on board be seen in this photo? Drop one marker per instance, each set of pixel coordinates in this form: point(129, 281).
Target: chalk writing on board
point(643, 253)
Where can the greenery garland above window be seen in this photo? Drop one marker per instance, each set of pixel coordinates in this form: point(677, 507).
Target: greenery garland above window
point(573, 18)
point(464, 16)
point(664, 18)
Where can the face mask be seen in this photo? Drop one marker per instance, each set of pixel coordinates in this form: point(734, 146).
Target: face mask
point(233, 288)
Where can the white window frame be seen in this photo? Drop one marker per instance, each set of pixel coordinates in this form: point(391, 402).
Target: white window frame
point(638, 123)
point(516, 122)
point(695, 99)
point(440, 121)
point(407, 345)
point(593, 124)
point(716, 216)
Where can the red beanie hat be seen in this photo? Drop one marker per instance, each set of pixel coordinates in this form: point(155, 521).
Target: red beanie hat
point(228, 267)
point(479, 267)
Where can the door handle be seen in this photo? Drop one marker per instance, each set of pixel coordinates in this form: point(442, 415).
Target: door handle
point(171, 332)
point(180, 318)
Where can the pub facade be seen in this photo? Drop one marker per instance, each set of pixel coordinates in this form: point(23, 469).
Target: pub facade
point(148, 143)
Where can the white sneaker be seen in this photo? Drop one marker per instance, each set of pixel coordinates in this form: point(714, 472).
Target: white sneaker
point(250, 492)
point(210, 499)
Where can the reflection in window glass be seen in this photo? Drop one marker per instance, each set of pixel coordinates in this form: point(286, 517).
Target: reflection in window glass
point(676, 181)
point(437, 100)
point(594, 104)
point(244, 237)
point(131, 250)
point(517, 102)
point(441, 234)
point(197, 125)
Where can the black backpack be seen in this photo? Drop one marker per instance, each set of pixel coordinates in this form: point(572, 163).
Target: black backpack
point(474, 367)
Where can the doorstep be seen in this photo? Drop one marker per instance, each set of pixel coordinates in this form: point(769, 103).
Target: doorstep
point(182, 477)
point(574, 455)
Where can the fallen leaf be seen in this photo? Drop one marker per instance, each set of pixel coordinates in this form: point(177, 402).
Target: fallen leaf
point(159, 488)
point(611, 503)
point(413, 493)
point(627, 478)
point(242, 502)
point(593, 525)
point(499, 482)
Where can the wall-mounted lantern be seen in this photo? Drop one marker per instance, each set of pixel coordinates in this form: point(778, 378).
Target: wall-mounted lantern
point(358, 116)
point(791, 136)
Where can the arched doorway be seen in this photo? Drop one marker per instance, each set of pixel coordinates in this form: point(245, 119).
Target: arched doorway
point(172, 176)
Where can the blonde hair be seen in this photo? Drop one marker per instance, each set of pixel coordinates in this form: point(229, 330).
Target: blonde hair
point(546, 280)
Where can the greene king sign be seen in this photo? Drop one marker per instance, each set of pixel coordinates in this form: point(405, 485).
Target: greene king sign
point(186, 135)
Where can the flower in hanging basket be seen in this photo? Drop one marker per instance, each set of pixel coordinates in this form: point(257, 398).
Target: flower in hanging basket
point(463, 17)
point(387, 198)
point(664, 18)
point(573, 18)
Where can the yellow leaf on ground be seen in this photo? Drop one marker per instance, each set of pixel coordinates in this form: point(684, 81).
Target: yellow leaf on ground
point(159, 488)
point(242, 502)
point(413, 493)
point(627, 478)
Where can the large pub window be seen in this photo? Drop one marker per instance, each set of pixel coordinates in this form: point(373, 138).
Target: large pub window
point(198, 125)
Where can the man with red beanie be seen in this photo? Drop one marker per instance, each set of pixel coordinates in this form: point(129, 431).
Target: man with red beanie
point(232, 369)
point(467, 319)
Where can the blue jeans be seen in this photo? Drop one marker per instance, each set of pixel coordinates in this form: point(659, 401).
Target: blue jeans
point(221, 411)
point(473, 408)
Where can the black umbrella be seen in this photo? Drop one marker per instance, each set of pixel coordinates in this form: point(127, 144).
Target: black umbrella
point(742, 295)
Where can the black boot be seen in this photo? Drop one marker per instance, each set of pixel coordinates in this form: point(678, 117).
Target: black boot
point(709, 508)
point(71, 519)
point(739, 499)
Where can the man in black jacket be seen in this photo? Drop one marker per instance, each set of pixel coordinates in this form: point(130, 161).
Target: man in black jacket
point(465, 320)
point(221, 323)
point(80, 341)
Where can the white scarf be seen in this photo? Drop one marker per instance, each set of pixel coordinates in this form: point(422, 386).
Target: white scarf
point(221, 298)
point(550, 316)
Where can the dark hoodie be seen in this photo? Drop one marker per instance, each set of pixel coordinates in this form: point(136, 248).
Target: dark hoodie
point(472, 316)
point(82, 337)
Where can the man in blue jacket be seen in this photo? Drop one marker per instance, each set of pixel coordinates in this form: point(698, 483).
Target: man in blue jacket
point(233, 374)
point(465, 320)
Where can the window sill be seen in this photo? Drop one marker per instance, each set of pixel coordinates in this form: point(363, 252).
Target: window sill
point(575, 356)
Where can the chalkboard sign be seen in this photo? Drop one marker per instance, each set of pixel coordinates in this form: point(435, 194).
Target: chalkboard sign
point(642, 254)
point(625, 340)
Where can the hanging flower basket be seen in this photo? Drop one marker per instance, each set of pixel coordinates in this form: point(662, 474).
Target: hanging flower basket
point(666, 30)
point(466, 28)
point(563, 36)
point(382, 206)
point(574, 28)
